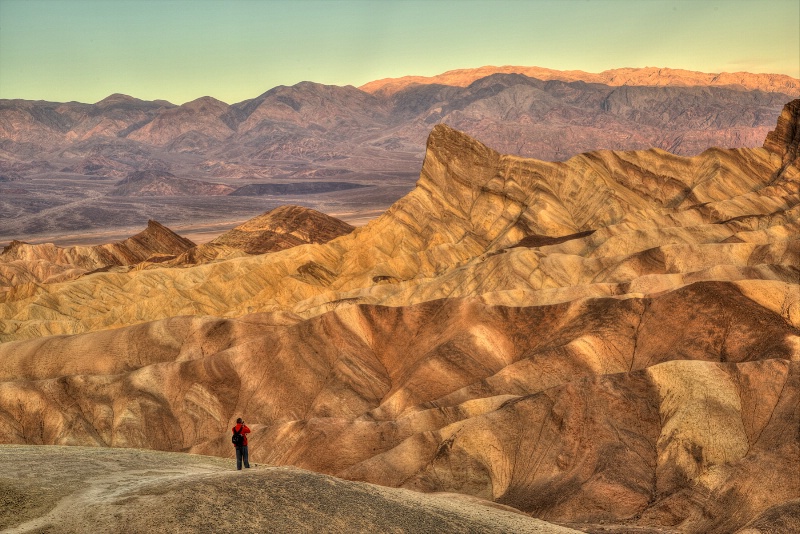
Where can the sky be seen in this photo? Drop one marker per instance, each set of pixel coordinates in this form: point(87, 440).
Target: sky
point(233, 50)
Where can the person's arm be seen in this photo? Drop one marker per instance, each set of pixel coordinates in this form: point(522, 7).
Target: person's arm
point(245, 430)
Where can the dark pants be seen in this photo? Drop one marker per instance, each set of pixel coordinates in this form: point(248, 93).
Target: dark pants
point(241, 454)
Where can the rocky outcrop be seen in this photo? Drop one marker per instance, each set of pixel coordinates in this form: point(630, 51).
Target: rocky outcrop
point(140, 491)
point(279, 229)
point(784, 140)
point(22, 264)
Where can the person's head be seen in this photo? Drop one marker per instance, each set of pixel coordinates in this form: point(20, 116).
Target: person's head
point(239, 421)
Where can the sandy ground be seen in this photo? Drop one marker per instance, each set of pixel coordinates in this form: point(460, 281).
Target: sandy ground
point(49, 489)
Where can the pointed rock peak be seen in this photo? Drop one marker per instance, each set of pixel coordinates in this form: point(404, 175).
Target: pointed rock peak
point(289, 218)
point(449, 144)
point(158, 233)
point(784, 140)
point(15, 244)
point(155, 226)
point(456, 171)
point(443, 132)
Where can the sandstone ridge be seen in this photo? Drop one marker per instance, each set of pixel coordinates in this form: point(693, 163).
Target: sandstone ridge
point(279, 229)
point(659, 222)
point(23, 263)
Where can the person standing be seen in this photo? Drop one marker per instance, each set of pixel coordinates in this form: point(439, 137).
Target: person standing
point(239, 439)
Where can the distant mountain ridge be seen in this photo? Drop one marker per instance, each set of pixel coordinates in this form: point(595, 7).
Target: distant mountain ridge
point(353, 137)
point(647, 76)
point(328, 126)
point(200, 125)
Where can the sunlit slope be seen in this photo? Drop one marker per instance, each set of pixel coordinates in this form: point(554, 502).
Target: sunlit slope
point(659, 221)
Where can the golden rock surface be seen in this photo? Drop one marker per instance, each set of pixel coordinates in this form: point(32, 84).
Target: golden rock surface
point(659, 222)
point(613, 339)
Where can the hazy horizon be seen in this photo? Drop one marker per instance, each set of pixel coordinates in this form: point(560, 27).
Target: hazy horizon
point(176, 50)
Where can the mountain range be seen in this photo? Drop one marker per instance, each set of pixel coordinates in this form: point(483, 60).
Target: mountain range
point(648, 76)
point(61, 162)
point(610, 342)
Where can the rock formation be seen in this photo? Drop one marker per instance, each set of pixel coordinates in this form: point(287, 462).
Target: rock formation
point(26, 265)
point(784, 140)
point(22, 264)
point(279, 229)
point(611, 339)
point(660, 222)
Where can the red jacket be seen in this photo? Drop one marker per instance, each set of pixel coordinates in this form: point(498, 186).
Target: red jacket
point(244, 431)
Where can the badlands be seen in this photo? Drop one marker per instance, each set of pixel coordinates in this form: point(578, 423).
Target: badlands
point(610, 343)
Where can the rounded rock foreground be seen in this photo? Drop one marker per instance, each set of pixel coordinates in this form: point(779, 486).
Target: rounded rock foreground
point(137, 491)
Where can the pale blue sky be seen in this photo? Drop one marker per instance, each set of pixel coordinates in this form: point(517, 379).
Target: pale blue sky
point(179, 50)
